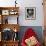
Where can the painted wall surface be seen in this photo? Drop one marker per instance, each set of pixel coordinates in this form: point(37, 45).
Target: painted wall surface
point(26, 3)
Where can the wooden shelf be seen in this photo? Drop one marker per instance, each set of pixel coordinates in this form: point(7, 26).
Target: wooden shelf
point(11, 26)
point(4, 13)
point(10, 43)
point(9, 9)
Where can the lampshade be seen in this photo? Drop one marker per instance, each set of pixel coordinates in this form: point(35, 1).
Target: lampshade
point(15, 30)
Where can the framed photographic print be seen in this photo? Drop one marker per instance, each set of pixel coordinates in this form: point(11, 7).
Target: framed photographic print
point(5, 12)
point(30, 13)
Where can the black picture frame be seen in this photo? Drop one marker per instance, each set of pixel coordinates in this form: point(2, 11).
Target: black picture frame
point(30, 13)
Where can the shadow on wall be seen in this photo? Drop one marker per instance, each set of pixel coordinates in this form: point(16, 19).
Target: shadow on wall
point(37, 29)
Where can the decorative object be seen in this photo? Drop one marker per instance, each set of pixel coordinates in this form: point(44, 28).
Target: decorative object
point(15, 30)
point(5, 12)
point(7, 34)
point(15, 3)
point(30, 13)
point(6, 21)
point(13, 12)
point(15, 37)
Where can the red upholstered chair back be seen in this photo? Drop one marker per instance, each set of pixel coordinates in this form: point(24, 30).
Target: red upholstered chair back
point(29, 33)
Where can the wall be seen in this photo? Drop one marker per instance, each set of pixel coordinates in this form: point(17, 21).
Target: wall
point(27, 3)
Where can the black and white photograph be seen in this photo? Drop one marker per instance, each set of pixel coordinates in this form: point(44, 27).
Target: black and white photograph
point(30, 13)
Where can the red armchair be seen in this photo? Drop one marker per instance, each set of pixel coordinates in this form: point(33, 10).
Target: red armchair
point(29, 36)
